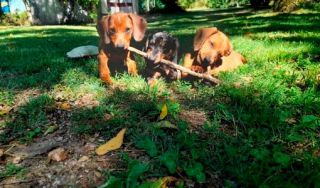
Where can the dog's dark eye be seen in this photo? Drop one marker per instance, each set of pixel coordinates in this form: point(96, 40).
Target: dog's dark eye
point(211, 44)
point(112, 31)
point(128, 29)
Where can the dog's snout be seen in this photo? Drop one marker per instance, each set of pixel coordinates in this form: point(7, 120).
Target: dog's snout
point(207, 60)
point(120, 45)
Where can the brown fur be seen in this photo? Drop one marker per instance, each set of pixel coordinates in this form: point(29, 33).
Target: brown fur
point(115, 32)
point(212, 53)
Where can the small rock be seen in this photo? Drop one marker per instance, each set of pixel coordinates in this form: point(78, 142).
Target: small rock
point(237, 85)
point(89, 147)
point(59, 154)
point(97, 174)
point(107, 117)
point(83, 159)
point(291, 120)
point(17, 160)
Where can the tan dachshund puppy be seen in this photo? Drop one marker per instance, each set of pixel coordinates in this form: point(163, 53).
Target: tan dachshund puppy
point(115, 32)
point(212, 53)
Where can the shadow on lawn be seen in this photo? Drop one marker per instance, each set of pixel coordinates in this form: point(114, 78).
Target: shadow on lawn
point(260, 117)
point(39, 61)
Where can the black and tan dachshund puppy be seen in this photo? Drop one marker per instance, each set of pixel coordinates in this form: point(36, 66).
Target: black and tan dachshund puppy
point(159, 46)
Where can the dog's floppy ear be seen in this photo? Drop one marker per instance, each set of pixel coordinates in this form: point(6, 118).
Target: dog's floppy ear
point(226, 47)
point(102, 28)
point(201, 36)
point(139, 26)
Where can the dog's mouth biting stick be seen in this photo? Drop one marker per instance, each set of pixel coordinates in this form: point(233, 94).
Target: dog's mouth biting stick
point(178, 67)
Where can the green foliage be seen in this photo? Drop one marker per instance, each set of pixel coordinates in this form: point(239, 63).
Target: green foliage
point(113, 182)
point(225, 3)
point(149, 145)
point(261, 125)
point(31, 119)
point(196, 170)
point(6, 98)
point(170, 159)
point(153, 5)
point(16, 19)
point(212, 3)
point(136, 169)
point(11, 170)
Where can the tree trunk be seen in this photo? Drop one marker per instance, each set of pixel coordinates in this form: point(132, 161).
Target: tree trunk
point(49, 12)
point(287, 5)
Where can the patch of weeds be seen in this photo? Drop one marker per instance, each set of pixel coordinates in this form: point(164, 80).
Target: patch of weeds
point(30, 120)
point(12, 170)
point(6, 98)
point(77, 84)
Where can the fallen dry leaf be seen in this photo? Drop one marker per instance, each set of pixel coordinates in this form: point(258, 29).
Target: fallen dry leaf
point(112, 144)
point(83, 159)
point(51, 129)
point(168, 180)
point(89, 147)
point(16, 160)
point(64, 106)
point(59, 154)
point(165, 124)
point(164, 111)
point(164, 182)
point(4, 110)
point(97, 174)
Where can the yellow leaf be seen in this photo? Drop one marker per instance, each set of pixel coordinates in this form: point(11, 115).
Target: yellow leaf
point(112, 144)
point(4, 111)
point(164, 111)
point(65, 106)
point(165, 181)
point(51, 129)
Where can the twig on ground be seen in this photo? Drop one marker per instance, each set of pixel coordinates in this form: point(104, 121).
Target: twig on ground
point(17, 182)
point(179, 67)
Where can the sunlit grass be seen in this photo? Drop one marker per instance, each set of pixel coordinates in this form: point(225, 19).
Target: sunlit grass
point(257, 120)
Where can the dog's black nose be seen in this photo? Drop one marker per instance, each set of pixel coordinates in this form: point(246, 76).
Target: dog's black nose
point(207, 60)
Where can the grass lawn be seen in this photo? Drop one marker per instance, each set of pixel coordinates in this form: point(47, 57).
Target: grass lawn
point(260, 127)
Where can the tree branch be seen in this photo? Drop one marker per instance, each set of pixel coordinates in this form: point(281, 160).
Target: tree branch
point(179, 67)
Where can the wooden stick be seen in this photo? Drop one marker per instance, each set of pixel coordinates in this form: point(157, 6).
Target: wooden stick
point(179, 67)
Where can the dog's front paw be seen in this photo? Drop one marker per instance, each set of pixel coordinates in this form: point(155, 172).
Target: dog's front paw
point(106, 79)
point(132, 67)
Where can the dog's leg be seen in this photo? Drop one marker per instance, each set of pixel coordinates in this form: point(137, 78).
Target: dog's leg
point(104, 71)
point(153, 79)
point(187, 63)
point(132, 66)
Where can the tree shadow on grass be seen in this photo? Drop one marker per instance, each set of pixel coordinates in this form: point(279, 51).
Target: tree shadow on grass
point(39, 61)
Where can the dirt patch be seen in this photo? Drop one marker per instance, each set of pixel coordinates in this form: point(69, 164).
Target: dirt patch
point(195, 118)
point(80, 168)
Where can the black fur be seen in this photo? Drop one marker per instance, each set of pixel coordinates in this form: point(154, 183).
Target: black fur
point(163, 44)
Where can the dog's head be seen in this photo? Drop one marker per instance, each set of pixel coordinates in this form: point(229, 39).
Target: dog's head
point(119, 28)
point(161, 45)
point(210, 45)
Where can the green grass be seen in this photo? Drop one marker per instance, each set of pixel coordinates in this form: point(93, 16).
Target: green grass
point(11, 170)
point(263, 122)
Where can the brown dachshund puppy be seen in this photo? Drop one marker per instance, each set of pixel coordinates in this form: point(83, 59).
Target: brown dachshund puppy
point(212, 53)
point(116, 32)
